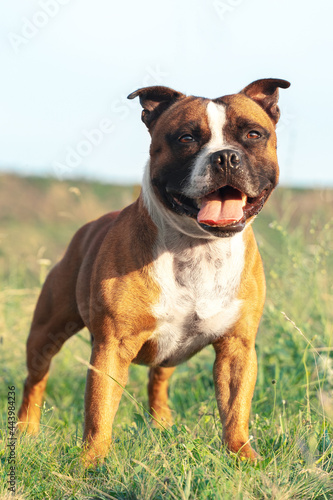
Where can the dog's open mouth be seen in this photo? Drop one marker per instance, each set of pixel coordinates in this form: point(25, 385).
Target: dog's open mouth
point(225, 207)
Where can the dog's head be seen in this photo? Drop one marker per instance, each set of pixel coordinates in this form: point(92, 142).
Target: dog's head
point(213, 162)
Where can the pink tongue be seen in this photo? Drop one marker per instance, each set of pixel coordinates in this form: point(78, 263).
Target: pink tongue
point(217, 210)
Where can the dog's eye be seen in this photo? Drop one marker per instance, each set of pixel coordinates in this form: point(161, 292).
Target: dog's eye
point(186, 138)
point(253, 134)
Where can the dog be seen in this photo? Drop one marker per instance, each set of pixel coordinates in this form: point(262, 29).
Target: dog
point(175, 271)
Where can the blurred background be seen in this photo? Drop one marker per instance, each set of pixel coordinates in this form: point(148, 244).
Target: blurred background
point(68, 65)
point(72, 148)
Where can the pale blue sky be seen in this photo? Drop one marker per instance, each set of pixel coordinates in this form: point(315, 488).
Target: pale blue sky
point(67, 66)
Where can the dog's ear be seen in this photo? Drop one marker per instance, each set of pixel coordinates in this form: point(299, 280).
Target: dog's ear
point(154, 101)
point(266, 93)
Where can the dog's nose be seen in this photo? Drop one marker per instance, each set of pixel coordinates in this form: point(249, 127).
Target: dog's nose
point(226, 158)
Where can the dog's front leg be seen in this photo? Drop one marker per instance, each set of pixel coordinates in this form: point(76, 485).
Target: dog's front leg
point(158, 394)
point(235, 373)
point(105, 382)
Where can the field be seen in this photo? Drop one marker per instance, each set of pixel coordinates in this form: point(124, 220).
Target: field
point(292, 411)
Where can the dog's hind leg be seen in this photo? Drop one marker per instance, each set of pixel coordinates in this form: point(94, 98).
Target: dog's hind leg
point(56, 319)
point(158, 394)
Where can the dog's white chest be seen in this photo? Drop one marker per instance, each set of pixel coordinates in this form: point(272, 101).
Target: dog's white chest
point(198, 303)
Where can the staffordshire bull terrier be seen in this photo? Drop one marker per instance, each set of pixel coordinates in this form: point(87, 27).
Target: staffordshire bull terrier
point(175, 271)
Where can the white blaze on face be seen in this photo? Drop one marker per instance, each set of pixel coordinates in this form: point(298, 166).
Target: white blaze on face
point(200, 177)
point(216, 119)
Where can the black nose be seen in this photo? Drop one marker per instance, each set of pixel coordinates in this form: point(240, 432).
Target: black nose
point(226, 158)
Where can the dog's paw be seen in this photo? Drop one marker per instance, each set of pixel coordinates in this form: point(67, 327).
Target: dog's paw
point(162, 417)
point(244, 452)
point(29, 427)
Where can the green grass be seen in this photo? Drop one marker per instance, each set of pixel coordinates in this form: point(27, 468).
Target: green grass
point(292, 410)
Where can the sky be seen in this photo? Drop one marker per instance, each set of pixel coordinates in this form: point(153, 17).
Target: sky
point(68, 65)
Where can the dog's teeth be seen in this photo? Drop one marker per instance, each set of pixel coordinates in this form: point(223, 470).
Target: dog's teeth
point(244, 200)
point(198, 202)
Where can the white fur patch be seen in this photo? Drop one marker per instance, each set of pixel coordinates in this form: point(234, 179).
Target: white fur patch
point(199, 285)
point(200, 177)
point(216, 120)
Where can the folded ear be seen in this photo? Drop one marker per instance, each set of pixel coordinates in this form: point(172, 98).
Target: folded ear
point(154, 101)
point(266, 93)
